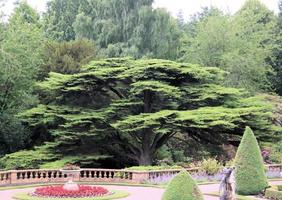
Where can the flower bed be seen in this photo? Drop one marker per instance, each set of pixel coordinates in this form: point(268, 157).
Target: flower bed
point(114, 194)
point(60, 192)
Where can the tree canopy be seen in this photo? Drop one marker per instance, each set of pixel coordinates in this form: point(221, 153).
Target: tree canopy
point(119, 28)
point(138, 105)
point(21, 44)
point(93, 80)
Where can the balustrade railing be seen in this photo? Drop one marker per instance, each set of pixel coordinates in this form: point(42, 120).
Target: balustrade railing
point(105, 175)
point(17, 177)
point(5, 178)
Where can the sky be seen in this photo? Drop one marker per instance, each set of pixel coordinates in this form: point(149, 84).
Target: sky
point(187, 7)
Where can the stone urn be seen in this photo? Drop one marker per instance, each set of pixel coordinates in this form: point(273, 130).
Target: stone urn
point(71, 172)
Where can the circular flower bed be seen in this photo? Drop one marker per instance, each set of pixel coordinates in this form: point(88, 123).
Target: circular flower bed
point(60, 192)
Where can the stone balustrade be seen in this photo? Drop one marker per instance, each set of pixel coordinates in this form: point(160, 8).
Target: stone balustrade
point(275, 167)
point(18, 177)
point(5, 178)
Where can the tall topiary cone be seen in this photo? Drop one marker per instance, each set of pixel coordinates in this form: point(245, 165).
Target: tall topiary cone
point(182, 187)
point(250, 173)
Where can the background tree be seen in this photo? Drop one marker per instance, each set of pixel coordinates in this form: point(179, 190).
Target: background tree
point(210, 38)
point(119, 28)
point(67, 57)
point(276, 61)
point(59, 18)
point(253, 27)
point(240, 44)
point(139, 105)
point(21, 54)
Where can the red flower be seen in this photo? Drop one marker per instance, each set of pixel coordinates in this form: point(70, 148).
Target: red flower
point(59, 191)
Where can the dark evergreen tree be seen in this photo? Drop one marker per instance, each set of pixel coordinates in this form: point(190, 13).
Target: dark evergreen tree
point(132, 108)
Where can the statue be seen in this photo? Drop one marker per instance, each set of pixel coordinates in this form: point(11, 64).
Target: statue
point(227, 185)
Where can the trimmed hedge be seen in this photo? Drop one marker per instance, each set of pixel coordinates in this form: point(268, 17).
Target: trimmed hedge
point(152, 168)
point(182, 187)
point(250, 173)
point(274, 193)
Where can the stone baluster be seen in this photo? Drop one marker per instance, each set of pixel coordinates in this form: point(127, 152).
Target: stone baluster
point(140, 177)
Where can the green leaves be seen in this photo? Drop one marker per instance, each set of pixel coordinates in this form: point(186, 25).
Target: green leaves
point(240, 44)
point(157, 87)
point(133, 107)
point(21, 47)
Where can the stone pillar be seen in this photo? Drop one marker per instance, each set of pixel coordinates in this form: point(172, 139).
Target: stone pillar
point(13, 177)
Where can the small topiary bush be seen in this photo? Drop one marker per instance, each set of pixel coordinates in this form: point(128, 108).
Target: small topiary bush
point(182, 187)
point(250, 173)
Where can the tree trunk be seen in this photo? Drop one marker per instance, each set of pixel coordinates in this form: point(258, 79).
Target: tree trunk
point(145, 158)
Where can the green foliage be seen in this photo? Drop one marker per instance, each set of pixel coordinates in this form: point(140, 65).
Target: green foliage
point(250, 173)
point(276, 58)
point(240, 44)
point(21, 53)
point(12, 134)
point(137, 106)
point(81, 160)
point(59, 18)
point(152, 168)
point(67, 57)
point(210, 166)
point(253, 28)
point(181, 187)
point(211, 39)
point(276, 153)
point(124, 28)
point(274, 193)
point(25, 159)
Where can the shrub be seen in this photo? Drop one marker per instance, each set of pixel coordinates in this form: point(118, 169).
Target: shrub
point(182, 186)
point(152, 168)
point(210, 166)
point(230, 163)
point(275, 157)
point(274, 193)
point(250, 173)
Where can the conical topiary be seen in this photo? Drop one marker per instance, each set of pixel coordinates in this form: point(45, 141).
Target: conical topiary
point(182, 187)
point(250, 173)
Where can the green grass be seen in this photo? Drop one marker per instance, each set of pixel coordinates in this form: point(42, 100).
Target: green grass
point(117, 194)
point(96, 183)
point(238, 197)
point(275, 192)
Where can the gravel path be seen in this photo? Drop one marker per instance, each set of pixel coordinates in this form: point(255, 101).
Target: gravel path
point(136, 193)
